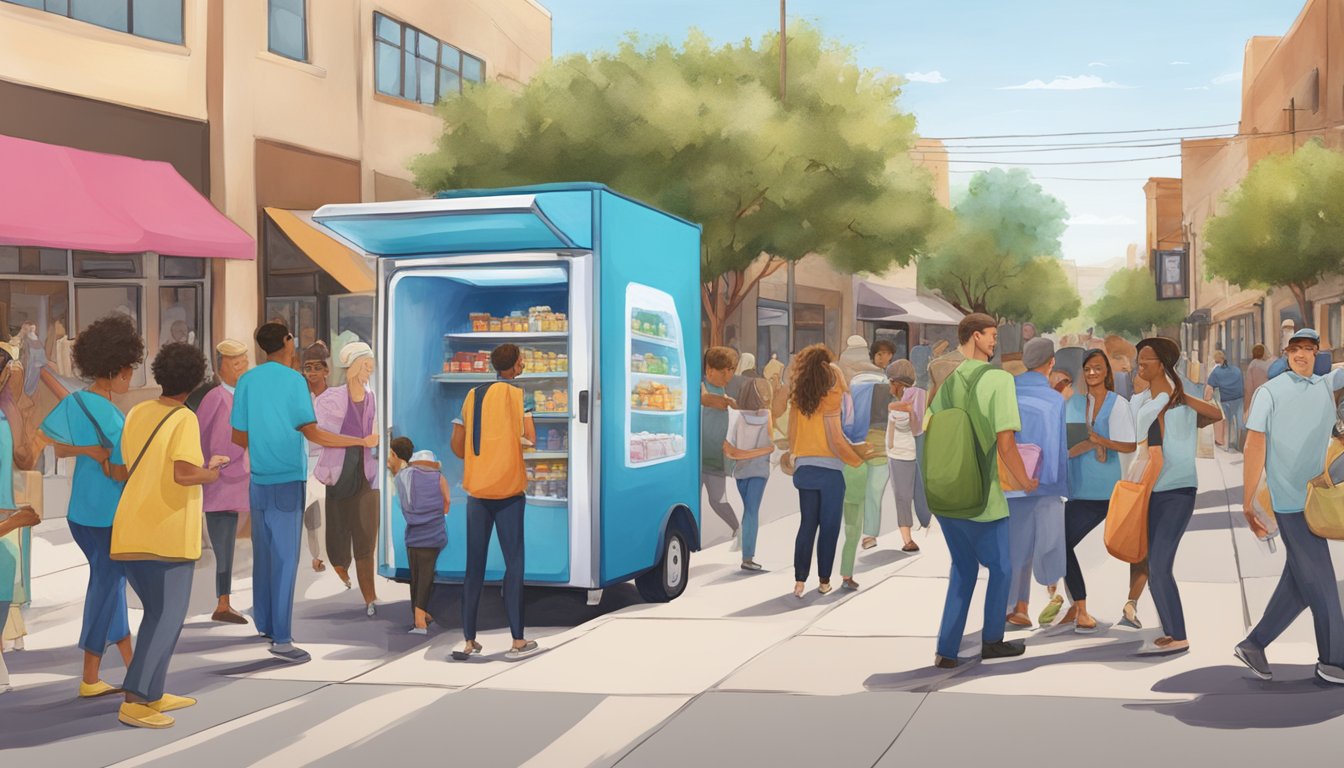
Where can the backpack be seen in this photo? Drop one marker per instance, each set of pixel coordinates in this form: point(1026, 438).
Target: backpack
point(857, 415)
point(957, 468)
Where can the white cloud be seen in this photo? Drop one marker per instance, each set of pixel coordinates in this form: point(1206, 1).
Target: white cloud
point(1097, 64)
point(1093, 220)
point(1180, 63)
point(1230, 77)
point(1198, 88)
point(935, 77)
point(1065, 83)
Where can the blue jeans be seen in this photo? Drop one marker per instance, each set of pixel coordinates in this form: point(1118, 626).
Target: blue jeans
point(752, 490)
point(105, 620)
point(1308, 581)
point(821, 501)
point(972, 545)
point(1169, 514)
point(1232, 412)
point(164, 588)
point(277, 527)
point(506, 516)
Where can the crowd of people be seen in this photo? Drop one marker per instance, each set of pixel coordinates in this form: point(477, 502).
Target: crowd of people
point(1021, 463)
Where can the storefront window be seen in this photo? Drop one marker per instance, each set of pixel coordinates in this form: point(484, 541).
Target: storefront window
point(33, 261)
point(180, 315)
point(108, 265)
point(181, 268)
point(298, 314)
point(351, 321)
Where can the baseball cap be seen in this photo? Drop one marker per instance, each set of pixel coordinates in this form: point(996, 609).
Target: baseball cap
point(1306, 334)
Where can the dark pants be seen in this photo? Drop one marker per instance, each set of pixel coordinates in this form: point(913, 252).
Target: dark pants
point(1081, 516)
point(506, 516)
point(821, 499)
point(1308, 581)
point(165, 591)
point(422, 574)
point(352, 526)
point(972, 545)
point(223, 530)
point(1169, 514)
point(105, 620)
point(277, 528)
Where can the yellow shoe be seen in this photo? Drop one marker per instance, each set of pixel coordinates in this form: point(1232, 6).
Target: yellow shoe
point(100, 688)
point(143, 716)
point(169, 702)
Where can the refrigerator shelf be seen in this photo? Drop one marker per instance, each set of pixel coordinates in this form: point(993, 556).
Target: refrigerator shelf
point(548, 416)
point(504, 336)
point(482, 378)
point(547, 501)
point(654, 412)
point(659, 340)
point(657, 376)
point(545, 455)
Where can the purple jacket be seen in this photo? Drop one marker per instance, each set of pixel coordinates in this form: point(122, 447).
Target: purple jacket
point(331, 408)
point(229, 493)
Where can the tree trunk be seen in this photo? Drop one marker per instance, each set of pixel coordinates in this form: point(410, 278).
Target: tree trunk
point(721, 297)
point(1300, 293)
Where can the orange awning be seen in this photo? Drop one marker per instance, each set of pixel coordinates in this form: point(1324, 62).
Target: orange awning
point(350, 269)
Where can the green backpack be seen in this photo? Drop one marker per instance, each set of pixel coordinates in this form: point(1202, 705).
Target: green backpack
point(957, 468)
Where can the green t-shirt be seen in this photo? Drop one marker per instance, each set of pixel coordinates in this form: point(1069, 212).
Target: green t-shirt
point(997, 398)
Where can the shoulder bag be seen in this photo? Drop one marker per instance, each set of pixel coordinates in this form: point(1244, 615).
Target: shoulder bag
point(136, 464)
point(1127, 515)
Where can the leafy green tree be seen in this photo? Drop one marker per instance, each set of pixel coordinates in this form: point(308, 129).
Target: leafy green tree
point(1002, 256)
point(701, 131)
point(1284, 225)
point(1129, 305)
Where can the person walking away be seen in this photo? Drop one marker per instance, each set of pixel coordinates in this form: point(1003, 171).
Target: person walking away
point(156, 535)
point(720, 364)
point(865, 421)
point(272, 414)
point(818, 449)
point(976, 535)
point(749, 446)
point(488, 437)
point(316, 362)
point(1168, 415)
point(1094, 470)
point(1257, 373)
point(13, 520)
point(1036, 518)
point(351, 474)
point(422, 492)
point(87, 426)
point(905, 425)
point(1227, 379)
point(225, 499)
point(1288, 436)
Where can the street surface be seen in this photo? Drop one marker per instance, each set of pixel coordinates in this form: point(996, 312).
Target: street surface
point(735, 672)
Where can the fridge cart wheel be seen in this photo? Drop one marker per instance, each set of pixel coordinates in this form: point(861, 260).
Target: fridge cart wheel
point(667, 580)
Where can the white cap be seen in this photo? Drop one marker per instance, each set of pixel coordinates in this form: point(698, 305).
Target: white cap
point(354, 351)
point(424, 456)
point(856, 341)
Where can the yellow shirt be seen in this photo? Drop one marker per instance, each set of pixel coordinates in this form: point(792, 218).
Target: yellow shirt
point(810, 437)
point(158, 519)
point(497, 470)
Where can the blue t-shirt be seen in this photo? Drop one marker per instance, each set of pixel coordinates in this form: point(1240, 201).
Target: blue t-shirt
point(271, 404)
point(1042, 413)
point(1180, 440)
point(1296, 415)
point(93, 495)
point(1228, 381)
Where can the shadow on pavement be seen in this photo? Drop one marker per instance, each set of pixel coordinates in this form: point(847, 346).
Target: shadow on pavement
point(1229, 698)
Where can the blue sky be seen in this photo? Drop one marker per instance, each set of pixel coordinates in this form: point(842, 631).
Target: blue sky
point(993, 67)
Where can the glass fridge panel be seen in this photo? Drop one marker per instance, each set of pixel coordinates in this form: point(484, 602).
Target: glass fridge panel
point(656, 390)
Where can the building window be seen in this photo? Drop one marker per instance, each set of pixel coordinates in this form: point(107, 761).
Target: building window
point(153, 19)
point(412, 65)
point(288, 25)
point(48, 295)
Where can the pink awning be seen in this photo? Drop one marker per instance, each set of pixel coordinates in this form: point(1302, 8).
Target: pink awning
point(57, 197)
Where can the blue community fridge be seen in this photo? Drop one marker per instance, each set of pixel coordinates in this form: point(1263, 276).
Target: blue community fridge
point(602, 293)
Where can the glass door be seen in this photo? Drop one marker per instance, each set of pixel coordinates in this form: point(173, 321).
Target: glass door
point(656, 387)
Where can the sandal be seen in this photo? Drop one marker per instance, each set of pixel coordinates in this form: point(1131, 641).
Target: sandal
point(1164, 646)
point(825, 588)
point(1085, 629)
point(869, 542)
point(910, 547)
point(849, 584)
point(1018, 621)
point(1130, 615)
point(1051, 611)
point(461, 655)
point(799, 589)
point(318, 565)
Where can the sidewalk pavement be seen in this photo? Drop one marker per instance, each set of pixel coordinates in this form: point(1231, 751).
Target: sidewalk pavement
point(735, 672)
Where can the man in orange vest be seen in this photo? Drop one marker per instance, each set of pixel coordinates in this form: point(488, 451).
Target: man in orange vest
point(488, 437)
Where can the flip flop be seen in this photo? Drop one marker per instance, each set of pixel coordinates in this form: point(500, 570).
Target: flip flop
point(461, 655)
point(527, 650)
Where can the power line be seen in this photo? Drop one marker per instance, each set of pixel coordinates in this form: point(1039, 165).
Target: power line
point(1166, 141)
point(1063, 162)
point(1065, 178)
point(1077, 133)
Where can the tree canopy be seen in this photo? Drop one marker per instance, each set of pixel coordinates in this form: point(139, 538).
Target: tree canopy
point(1129, 305)
point(1284, 225)
point(700, 131)
point(1002, 255)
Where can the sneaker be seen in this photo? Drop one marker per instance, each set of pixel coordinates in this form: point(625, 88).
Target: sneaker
point(1330, 673)
point(418, 631)
point(942, 662)
point(528, 649)
point(292, 655)
point(1002, 650)
point(750, 565)
point(1254, 659)
point(371, 609)
point(143, 716)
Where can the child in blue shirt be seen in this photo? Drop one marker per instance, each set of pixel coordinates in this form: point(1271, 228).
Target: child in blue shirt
point(422, 492)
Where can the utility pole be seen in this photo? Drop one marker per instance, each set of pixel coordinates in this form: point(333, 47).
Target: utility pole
point(783, 95)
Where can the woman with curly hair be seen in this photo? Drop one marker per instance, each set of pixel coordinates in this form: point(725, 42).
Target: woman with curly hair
point(819, 450)
point(87, 426)
point(156, 536)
